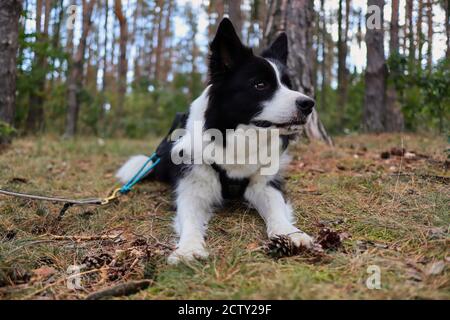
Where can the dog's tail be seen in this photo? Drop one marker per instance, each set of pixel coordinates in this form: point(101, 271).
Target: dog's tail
point(131, 167)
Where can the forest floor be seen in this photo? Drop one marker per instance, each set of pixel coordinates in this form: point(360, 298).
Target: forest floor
point(392, 213)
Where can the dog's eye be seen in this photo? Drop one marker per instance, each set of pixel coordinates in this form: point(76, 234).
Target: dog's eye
point(260, 85)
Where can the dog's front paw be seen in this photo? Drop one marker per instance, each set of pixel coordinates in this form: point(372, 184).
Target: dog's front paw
point(187, 254)
point(299, 238)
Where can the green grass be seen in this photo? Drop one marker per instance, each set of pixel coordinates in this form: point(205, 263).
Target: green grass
point(399, 223)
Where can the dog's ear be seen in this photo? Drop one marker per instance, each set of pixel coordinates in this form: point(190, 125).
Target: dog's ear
point(279, 49)
point(227, 50)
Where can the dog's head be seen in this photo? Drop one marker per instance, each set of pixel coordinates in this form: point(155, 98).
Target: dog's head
point(252, 90)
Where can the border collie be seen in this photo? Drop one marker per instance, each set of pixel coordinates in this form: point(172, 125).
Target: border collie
point(244, 91)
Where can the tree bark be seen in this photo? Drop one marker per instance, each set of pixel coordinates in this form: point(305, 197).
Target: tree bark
point(75, 78)
point(123, 65)
point(447, 25)
point(393, 118)
point(376, 71)
point(419, 32)
point(296, 18)
point(409, 28)
point(299, 27)
point(430, 34)
point(160, 41)
point(323, 67)
point(9, 29)
point(394, 41)
point(235, 13)
point(343, 26)
point(167, 63)
point(35, 117)
point(216, 11)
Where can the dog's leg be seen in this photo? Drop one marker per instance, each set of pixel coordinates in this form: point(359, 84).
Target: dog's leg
point(196, 195)
point(276, 212)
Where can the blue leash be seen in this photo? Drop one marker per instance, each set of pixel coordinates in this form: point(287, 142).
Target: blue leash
point(180, 118)
point(141, 173)
point(154, 158)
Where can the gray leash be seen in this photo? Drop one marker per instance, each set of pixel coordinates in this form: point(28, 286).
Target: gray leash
point(67, 202)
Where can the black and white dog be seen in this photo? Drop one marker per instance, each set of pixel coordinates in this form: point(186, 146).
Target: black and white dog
point(245, 91)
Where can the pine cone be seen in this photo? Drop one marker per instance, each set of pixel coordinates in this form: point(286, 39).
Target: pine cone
point(96, 262)
point(281, 246)
point(329, 239)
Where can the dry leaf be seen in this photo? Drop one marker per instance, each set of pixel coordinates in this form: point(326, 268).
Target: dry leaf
point(43, 273)
point(252, 246)
point(435, 268)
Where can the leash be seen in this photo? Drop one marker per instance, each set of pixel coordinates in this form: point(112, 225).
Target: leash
point(148, 167)
point(68, 203)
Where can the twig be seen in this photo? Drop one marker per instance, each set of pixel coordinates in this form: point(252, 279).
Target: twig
point(83, 238)
point(441, 179)
point(160, 243)
point(60, 280)
point(122, 289)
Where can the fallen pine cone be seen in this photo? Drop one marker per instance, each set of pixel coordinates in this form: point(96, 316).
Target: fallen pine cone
point(399, 152)
point(96, 262)
point(281, 246)
point(329, 239)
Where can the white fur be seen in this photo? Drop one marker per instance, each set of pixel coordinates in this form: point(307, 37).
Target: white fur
point(131, 167)
point(197, 193)
point(199, 190)
point(282, 107)
point(276, 213)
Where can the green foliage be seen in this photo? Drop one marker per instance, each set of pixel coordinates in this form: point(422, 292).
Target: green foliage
point(350, 115)
point(6, 132)
point(424, 94)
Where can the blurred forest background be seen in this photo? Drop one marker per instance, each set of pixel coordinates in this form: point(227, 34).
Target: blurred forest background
point(124, 68)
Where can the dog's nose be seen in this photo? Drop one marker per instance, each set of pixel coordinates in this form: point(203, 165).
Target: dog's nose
point(305, 105)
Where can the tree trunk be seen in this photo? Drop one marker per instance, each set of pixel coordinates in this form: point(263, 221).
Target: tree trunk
point(296, 18)
point(35, 117)
point(447, 25)
point(9, 29)
point(57, 34)
point(375, 91)
point(323, 67)
point(393, 118)
point(394, 41)
point(342, 54)
point(216, 10)
point(235, 13)
point(419, 35)
point(75, 78)
point(409, 28)
point(123, 65)
point(430, 34)
point(299, 27)
point(105, 70)
point(276, 20)
point(160, 41)
point(167, 63)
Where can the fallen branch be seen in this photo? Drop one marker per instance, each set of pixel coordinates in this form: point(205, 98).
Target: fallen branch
point(122, 289)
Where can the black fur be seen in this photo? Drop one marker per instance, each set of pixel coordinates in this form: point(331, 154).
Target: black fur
point(233, 99)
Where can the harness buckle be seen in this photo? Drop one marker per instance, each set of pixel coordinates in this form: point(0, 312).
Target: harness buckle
point(114, 195)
